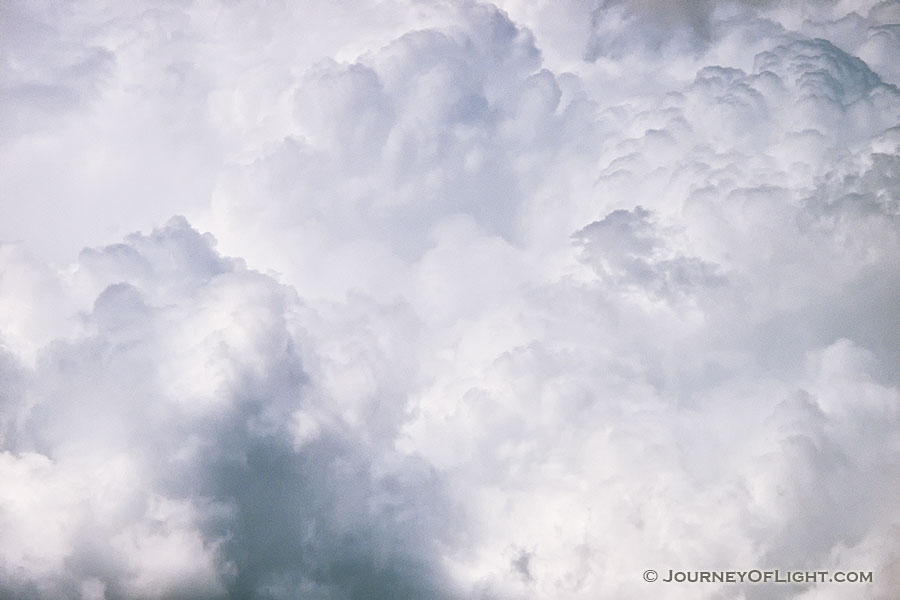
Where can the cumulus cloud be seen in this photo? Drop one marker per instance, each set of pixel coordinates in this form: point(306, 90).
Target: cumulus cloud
point(471, 300)
point(177, 447)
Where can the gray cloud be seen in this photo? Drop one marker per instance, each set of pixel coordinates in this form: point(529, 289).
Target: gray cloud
point(183, 474)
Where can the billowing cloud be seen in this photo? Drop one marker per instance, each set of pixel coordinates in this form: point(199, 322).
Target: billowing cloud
point(177, 447)
point(471, 300)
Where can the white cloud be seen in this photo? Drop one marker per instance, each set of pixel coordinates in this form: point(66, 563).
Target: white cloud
point(508, 301)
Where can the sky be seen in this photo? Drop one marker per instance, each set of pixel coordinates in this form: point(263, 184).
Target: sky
point(446, 299)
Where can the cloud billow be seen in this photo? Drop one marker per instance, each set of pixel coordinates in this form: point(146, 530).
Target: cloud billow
point(167, 433)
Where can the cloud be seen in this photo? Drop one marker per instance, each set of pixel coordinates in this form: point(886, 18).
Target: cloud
point(176, 448)
point(496, 301)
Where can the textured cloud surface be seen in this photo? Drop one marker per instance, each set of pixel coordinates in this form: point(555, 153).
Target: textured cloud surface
point(468, 300)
